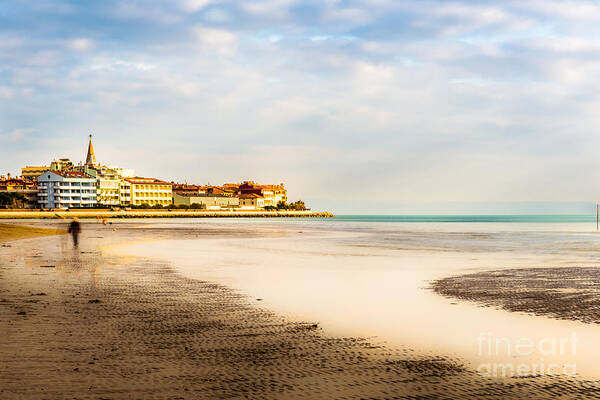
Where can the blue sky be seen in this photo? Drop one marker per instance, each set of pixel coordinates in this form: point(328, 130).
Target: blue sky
point(355, 105)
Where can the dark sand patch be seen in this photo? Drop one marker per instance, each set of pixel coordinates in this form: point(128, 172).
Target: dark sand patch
point(155, 335)
point(564, 293)
point(14, 232)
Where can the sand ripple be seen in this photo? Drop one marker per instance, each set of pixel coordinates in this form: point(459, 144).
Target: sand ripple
point(565, 293)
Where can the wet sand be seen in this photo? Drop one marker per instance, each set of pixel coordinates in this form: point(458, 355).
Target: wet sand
point(562, 293)
point(14, 232)
point(83, 325)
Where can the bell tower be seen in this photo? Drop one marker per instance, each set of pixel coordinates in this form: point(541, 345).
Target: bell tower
point(91, 157)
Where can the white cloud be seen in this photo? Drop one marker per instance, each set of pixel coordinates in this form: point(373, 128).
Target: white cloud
point(80, 44)
point(121, 64)
point(220, 41)
point(217, 15)
point(565, 44)
point(484, 15)
point(192, 6)
point(470, 18)
point(6, 92)
point(10, 42)
point(568, 10)
point(572, 73)
point(273, 9)
point(146, 11)
point(17, 135)
point(44, 58)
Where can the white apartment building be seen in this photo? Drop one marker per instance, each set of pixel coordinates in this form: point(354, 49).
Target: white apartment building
point(149, 191)
point(70, 189)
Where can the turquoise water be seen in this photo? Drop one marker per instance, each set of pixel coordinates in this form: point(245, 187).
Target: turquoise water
point(470, 218)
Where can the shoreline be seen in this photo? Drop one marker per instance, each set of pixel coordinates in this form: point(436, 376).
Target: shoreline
point(115, 327)
point(161, 214)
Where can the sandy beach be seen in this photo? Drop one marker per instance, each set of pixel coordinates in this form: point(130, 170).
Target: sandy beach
point(87, 324)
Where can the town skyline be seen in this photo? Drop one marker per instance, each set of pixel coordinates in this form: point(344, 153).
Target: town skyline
point(63, 184)
point(404, 207)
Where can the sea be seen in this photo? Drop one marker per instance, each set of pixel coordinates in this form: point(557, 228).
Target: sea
point(517, 218)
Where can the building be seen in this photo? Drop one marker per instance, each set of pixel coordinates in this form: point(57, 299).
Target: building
point(108, 189)
point(8, 183)
point(123, 172)
point(250, 195)
point(111, 188)
point(251, 201)
point(90, 159)
point(33, 172)
point(125, 193)
point(206, 201)
point(149, 191)
point(217, 190)
point(70, 189)
point(62, 164)
point(108, 184)
point(184, 188)
point(272, 194)
point(19, 186)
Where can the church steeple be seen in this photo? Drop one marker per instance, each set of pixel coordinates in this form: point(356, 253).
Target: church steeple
point(91, 158)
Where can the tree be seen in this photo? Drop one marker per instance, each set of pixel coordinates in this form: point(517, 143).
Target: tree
point(8, 200)
point(298, 206)
point(5, 199)
point(281, 205)
point(19, 200)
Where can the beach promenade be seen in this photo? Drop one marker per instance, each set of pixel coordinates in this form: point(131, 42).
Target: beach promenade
point(100, 213)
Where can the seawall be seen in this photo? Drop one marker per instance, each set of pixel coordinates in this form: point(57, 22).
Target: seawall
point(24, 214)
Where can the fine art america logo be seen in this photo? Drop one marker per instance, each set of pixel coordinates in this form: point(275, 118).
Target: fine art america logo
point(552, 347)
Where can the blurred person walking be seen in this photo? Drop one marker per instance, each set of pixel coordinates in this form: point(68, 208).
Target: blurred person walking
point(74, 230)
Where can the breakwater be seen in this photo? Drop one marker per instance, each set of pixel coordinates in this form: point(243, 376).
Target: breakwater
point(24, 214)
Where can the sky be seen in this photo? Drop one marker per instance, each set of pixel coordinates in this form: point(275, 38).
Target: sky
point(357, 106)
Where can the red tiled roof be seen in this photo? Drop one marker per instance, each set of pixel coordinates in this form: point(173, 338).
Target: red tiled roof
point(72, 174)
point(76, 174)
point(146, 181)
point(184, 186)
point(15, 181)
